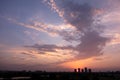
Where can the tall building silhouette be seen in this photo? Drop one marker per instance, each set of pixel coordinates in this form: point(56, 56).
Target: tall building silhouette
point(86, 69)
point(82, 70)
point(89, 70)
point(75, 70)
point(78, 69)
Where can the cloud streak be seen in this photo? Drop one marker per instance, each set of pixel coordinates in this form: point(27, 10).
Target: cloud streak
point(79, 26)
point(44, 48)
point(64, 30)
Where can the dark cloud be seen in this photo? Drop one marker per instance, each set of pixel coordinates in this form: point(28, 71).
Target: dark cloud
point(81, 16)
point(70, 35)
point(28, 54)
point(43, 48)
point(91, 44)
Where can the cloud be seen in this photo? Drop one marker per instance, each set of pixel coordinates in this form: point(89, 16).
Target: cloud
point(44, 48)
point(64, 30)
point(92, 44)
point(80, 25)
point(81, 16)
point(52, 53)
point(32, 56)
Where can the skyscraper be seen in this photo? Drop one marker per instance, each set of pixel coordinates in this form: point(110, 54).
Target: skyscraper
point(82, 70)
point(86, 69)
point(75, 70)
point(78, 69)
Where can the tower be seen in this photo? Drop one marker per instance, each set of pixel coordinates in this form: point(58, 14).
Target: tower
point(85, 70)
point(78, 69)
point(75, 70)
point(89, 70)
point(82, 70)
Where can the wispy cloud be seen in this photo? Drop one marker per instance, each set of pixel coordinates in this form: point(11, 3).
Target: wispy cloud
point(32, 55)
point(63, 30)
point(83, 23)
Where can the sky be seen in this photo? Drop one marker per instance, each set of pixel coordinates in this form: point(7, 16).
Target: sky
point(59, 35)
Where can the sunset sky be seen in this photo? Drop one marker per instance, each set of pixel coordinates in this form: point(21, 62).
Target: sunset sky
point(58, 35)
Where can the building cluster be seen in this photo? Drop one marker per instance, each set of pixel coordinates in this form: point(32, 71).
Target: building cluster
point(84, 70)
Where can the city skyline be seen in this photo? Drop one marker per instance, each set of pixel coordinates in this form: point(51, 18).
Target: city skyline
point(59, 35)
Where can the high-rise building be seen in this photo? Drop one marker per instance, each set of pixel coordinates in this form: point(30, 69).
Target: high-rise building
point(78, 69)
point(82, 70)
point(86, 69)
point(89, 70)
point(75, 70)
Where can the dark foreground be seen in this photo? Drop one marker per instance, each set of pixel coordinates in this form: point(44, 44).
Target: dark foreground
point(38, 75)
